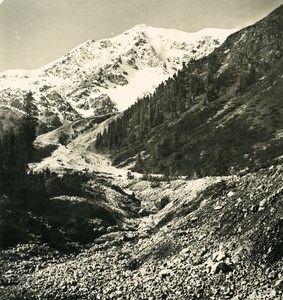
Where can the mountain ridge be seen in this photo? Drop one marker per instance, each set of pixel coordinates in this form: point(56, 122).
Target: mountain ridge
point(91, 77)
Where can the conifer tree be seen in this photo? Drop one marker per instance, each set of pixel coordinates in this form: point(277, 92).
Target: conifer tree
point(29, 127)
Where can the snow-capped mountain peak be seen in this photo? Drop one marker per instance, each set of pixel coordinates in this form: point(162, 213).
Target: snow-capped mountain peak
point(99, 77)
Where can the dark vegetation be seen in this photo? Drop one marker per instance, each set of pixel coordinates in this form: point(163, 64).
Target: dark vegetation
point(16, 148)
point(29, 209)
point(218, 115)
point(34, 211)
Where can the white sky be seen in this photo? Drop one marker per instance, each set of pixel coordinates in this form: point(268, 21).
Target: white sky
point(36, 32)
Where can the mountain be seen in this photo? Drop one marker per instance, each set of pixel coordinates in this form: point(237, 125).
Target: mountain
point(101, 77)
point(73, 226)
point(219, 115)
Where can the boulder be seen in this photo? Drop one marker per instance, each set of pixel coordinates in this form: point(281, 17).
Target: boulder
point(114, 228)
point(143, 212)
point(185, 251)
point(109, 237)
point(221, 267)
point(219, 256)
point(165, 272)
point(255, 208)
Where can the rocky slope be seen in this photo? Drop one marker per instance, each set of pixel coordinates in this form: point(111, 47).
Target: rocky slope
point(99, 77)
point(217, 238)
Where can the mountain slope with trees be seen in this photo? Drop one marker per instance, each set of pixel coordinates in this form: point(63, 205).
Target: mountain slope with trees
point(218, 115)
point(17, 134)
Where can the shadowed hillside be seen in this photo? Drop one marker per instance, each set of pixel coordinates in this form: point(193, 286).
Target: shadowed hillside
point(220, 114)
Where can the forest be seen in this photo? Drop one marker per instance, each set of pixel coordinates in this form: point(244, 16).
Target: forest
point(179, 129)
point(183, 101)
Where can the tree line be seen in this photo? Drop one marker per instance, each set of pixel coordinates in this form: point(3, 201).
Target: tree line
point(189, 97)
point(16, 148)
point(196, 82)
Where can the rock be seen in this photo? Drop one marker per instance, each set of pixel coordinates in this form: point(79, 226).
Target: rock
point(203, 251)
point(185, 251)
point(194, 219)
point(263, 203)
point(198, 260)
point(143, 212)
point(230, 194)
point(221, 267)
point(201, 237)
point(279, 284)
point(219, 256)
point(273, 293)
point(109, 237)
point(218, 207)
point(112, 228)
point(165, 272)
point(254, 208)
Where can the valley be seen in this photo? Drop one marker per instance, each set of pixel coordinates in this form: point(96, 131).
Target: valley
point(215, 239)
point(146, 166)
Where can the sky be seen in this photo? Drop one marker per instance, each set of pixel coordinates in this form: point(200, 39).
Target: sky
point(36, 32)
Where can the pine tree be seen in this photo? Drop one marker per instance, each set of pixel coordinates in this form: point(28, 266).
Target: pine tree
point(29, 123)
point(1, 167)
